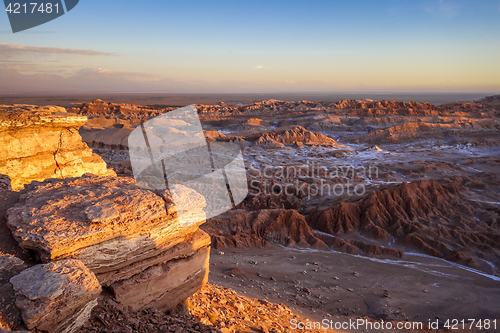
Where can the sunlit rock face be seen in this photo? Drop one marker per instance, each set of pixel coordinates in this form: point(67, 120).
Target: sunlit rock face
point(43, 142)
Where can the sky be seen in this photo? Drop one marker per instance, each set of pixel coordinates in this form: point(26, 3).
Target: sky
point(258, 46)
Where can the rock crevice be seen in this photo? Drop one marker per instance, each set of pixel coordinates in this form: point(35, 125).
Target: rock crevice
point(44, 143)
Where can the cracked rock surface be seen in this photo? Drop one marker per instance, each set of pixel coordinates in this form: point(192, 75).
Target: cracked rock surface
point(43, 142)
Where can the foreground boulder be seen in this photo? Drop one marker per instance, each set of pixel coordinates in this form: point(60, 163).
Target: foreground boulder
point(43, 142)
point(56, 297)
point(130, 237)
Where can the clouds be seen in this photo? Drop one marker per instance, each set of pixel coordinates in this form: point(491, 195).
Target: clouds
point(11, 50)
point(258, 67)
point(104, 74)
point(49, 60)
point(84, 80)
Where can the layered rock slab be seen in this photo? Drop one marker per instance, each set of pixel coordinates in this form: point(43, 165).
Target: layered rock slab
point(105, 222)
point(43, 142)
point(165, 285)
point(130, 237)
point(56, 297)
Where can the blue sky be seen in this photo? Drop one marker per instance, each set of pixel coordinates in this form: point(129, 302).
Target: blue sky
point(260, 46)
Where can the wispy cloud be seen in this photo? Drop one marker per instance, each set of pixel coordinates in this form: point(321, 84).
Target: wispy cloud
point(106, 74)
point(8, 50)
point(258, 67)
point(442, 8)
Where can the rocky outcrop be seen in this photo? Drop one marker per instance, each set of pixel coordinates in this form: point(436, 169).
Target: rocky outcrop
point(126, 111)
point(413, 131)
point(298, 134)
point(490, 101)
point(56, 297)
point(255, 122)
point(131, 238)
point(269, 143)
point(258, 228)
point(286, 227)
point(44, 143)
point(213, 135)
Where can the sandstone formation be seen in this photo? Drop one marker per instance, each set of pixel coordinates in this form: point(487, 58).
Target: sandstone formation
point(284, 227)
point(248, 229)
point(491, 101)
point(425, 216)
point(43, 142)
point(213, 135)
point(255, 122)
point(128, 111)
point(56, 297)
point(110, 124)
point(421, 130)
point(298, 134)
point(129, 237)
point(269, 143)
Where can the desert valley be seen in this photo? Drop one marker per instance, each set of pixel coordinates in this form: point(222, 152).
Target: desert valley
point(375, 210)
